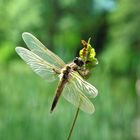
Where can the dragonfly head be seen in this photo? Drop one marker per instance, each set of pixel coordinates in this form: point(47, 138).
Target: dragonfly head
point(78, 61)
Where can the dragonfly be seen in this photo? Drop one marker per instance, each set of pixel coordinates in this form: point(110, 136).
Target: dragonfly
point(73, 87)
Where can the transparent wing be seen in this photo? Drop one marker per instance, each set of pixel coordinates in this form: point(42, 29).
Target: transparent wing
point(39, 49)
point(73, 95)
point(41, 67)
point(85, 87)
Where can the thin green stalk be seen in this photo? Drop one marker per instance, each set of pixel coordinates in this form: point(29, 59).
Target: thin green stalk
point(73, 124)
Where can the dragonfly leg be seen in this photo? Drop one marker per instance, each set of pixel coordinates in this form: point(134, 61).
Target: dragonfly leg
point(56, 71)
point(84, 73)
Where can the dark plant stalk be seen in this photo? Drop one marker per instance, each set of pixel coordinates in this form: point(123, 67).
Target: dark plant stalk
point(73, 124)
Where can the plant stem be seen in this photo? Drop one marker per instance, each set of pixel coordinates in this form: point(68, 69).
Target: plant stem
point(73, 124)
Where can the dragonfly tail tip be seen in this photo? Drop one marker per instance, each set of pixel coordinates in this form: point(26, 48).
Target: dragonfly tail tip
point(51, 110)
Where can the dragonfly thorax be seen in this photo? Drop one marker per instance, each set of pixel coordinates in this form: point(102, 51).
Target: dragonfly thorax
point(66, 70)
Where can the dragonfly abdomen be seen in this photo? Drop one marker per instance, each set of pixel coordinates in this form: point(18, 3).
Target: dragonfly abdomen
point(59, 90)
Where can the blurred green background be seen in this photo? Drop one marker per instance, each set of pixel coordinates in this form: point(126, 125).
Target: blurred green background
point(25, 98)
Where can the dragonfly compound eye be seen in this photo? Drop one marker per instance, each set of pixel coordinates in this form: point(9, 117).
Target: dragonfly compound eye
point(78, 61)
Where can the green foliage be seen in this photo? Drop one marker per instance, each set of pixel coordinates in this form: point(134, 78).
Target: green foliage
point(25, 98)
point(124, 38)
point(6, 51)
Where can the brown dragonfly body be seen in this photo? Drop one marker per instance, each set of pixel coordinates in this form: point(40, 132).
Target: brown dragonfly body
point(61, 84)
point(77, 63)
